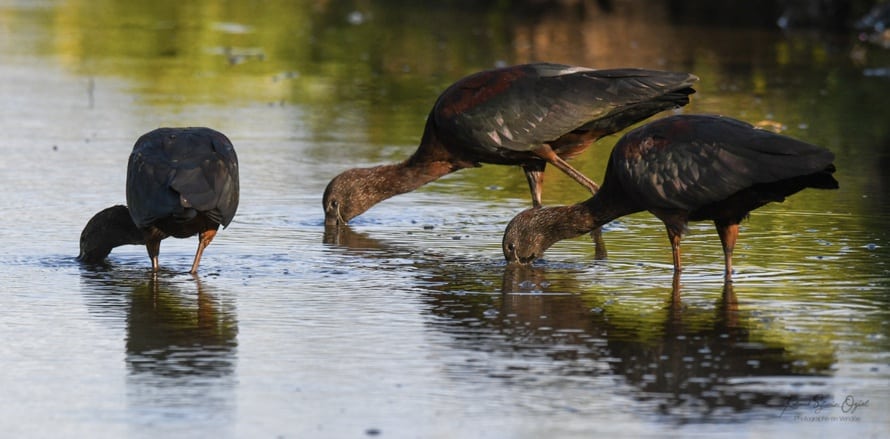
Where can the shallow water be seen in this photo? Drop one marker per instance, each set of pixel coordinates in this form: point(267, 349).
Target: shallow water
point(408, 323)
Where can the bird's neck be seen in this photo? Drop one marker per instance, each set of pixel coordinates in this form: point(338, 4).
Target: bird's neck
point(432, 160)
point(120, 230)
point(406, 176)
point(570, 221)
point(436, 146)
point(601, 209)
point(108, 229)
point(566, 222)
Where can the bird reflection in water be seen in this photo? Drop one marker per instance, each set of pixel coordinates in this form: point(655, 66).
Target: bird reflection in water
point(544, 327)
point(343, 236)
point(181, 342)
point(687, 363)
point(171, 333)
point(181, 354)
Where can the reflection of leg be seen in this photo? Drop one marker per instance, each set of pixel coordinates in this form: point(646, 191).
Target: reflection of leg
point(203, 241)
point(598, 243)
point(208, 312)
point(676, 306)
point(155, 289)
point(730, 306)
point(675, 285)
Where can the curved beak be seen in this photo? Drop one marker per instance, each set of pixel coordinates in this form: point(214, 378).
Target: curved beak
point(515, 261)
point(332, 217)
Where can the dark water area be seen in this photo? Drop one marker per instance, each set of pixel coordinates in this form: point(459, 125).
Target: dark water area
point(408, 323)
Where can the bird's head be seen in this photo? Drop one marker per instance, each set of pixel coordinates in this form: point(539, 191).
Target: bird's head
point(106, 230)
point(349, 195)
point(533, 231)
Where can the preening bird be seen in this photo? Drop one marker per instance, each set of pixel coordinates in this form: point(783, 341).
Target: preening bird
point(527, 115)
point(681, 169)
point(180, 182)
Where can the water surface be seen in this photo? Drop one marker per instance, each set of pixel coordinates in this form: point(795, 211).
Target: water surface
point(408, 323)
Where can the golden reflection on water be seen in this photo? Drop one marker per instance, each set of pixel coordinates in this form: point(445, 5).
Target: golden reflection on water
point(689, 362)
point(372, 72)
point(375, 78)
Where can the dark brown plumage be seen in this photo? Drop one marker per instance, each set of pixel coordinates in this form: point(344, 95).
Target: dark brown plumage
point(527, 115)
point(681, 169)
point(180, 182)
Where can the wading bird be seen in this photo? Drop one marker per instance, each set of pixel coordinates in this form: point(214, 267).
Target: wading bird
point(527, 115)
point(681, 169)
point(180, 182)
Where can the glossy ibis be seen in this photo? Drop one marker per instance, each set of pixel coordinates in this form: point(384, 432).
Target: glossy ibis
point(527, 115)
point(180, 182)
point(681, 169)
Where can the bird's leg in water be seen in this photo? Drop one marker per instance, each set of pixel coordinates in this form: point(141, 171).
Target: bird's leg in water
point(154, 248)
point(729, 233)
point(599, 245)
point(203, 241)
point(674, 236)
point(534, 173)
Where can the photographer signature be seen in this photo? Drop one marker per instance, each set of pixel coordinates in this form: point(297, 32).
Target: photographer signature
point(820, 403)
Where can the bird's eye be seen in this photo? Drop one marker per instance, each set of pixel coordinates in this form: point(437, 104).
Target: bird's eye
point(511, 247)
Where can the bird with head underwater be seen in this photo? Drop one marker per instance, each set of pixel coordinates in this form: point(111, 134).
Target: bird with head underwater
point(181, 182)
point(682, 168)
point(526, 115)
